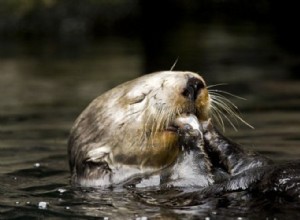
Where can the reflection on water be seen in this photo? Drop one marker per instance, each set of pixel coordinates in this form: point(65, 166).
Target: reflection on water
point(41, 97)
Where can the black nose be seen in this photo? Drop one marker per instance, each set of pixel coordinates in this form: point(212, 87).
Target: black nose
point(193, 86)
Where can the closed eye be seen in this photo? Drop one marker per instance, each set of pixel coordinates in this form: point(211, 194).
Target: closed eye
point(137, 99)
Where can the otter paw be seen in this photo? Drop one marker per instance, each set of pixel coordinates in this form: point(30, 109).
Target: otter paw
point(206, 126)
point(189, 130)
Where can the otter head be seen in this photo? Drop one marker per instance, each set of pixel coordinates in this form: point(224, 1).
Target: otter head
point(132, 124)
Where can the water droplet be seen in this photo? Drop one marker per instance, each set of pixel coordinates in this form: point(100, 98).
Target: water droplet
point(43, 205)
point(207, 218)
point(61, 190)
point(105, 218)
point(141, 218)
point(37, 165)
point(17, 202)
point(67, 207)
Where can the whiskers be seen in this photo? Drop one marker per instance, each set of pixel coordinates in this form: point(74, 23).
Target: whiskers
point(222, 109)
point(157, 121)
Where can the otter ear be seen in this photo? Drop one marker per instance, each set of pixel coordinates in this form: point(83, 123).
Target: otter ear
point(97, 154)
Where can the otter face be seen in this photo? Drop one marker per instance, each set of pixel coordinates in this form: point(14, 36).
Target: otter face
point(157, 99)
point(132, 124)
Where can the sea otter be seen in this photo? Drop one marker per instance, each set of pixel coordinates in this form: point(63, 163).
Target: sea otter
point(157, 128)
point(129, 130)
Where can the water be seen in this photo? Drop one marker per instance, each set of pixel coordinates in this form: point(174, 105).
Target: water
point(44, 88)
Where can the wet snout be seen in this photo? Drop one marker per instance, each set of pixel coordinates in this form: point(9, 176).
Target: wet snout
point(193, 87)
point(197, 95)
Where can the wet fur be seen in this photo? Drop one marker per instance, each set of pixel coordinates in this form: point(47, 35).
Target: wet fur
point(122, 132)
point(120, 139)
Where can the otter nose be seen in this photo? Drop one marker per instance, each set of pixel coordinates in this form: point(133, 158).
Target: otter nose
point(192, 88)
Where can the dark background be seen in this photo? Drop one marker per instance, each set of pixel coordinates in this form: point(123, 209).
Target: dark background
point(160, 26)
point(96, 44)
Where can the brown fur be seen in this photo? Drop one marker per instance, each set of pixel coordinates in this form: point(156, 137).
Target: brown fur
point(127, 126)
